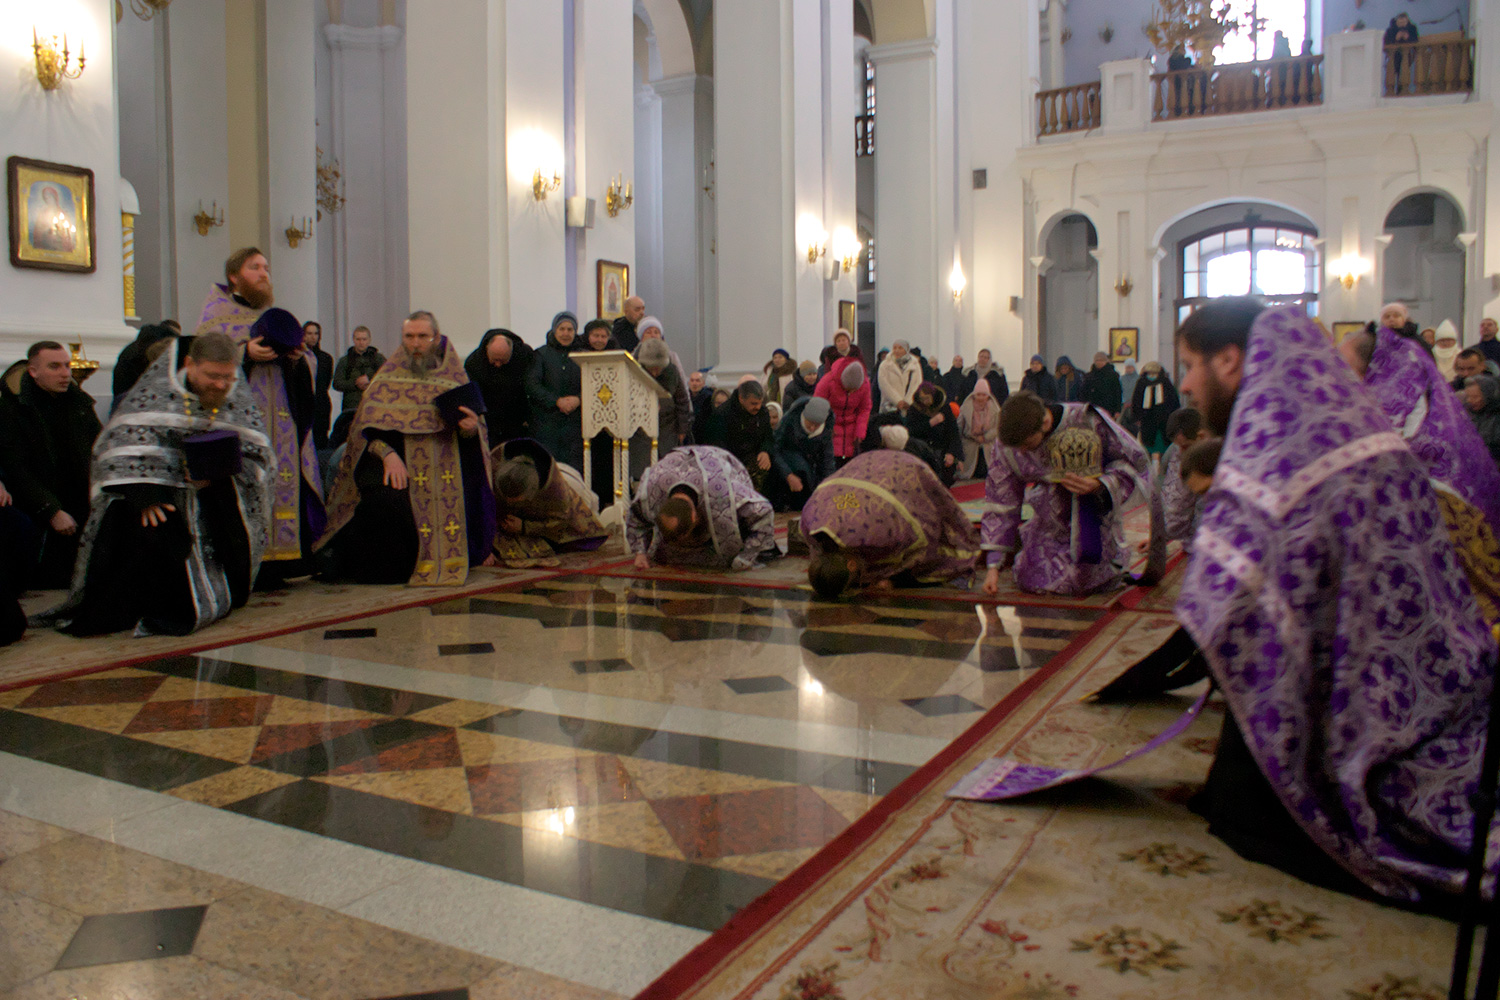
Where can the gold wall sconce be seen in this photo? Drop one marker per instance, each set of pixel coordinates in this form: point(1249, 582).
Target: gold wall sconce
point(296, 234)
point(957, 282)
point(847, 247)
point(208, 220)
point(1124, 286)
point(1348, 269)
point(543, 186)
point(618, 196)
point(53, 61)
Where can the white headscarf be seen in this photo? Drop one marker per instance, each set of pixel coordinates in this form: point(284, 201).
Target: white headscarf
point(1446, 356)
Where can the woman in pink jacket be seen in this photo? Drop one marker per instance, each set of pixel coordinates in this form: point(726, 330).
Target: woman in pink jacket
point(848, 393)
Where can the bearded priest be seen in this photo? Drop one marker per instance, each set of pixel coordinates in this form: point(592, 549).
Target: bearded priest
point(412, 500)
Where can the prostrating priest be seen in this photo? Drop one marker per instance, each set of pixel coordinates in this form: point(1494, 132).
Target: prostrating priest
point(1332, 611)
point(542, 506)
point(1077, 469)
point(697, 507)
point(885, 520)
point(411, 501)
point(277, 374)
point(181, 485)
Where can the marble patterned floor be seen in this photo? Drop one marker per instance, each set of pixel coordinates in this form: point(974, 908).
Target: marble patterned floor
point(465, 791)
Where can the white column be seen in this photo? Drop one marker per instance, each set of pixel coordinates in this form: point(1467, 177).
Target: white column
point(604, 130)
point(363, 232)
point(76, 124)
point(1482, 297)
point(1125, 95)
point(995, 123)
point(197, 99)
point(458, 224)
point(291, 150)
point(758, 256)
point(648, 280)
point(912, 289)
point(809, 107)
point(533, 138)
point(680, 281)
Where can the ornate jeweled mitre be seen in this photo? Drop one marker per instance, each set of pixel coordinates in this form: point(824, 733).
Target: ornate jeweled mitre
point(1075, 450)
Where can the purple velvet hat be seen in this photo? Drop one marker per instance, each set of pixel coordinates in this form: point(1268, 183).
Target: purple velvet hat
point(213, 455)
point(280, 330)
point(467, 394)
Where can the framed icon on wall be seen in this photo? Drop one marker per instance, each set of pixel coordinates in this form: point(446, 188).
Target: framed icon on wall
point(1124, 343)
point(848, 317)
point(614, 289)
point(51, 215)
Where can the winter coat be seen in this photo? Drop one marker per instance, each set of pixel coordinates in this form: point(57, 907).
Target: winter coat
point(800, 454)
point(1069, 387)
point(624, 334)
point(898, 383)
point(994, 374)
point(703, 409)
point(349, 369)
point(1101, 386)
point(1487, 420)
point(46, 446)
point(321, 363)
point(507, 410)
point(133, 362)
point(955, 384)
point(942, 437)
point(977, 435)
point(674, 415)
point(551, 376)
point(1152, 408)
point(1042, 383)
point(741, 433)
point(796, 389)
point(851, 410)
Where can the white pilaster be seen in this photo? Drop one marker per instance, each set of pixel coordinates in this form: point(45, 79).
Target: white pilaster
point(604, 127)
point(291, 153)
point(681, 278)
point(369, 286)
point(1482, 297)
point(458, 223)
point(912, 290)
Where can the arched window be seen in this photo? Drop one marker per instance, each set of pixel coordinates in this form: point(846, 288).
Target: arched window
point(1277, 262)
point(864, 125)
point(870, 260)
point(1259, 21)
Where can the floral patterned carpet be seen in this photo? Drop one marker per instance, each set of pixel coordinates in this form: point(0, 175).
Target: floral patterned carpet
point(1105, 888)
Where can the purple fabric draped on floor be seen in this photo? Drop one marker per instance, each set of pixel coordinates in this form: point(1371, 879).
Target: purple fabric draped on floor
point(1326, 595)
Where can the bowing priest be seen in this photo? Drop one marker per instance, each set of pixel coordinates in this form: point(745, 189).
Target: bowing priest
point(278, 376)
point(181, 512)
point(542, 507)
point(697, 507)
point(885, 520)
point(411, 501)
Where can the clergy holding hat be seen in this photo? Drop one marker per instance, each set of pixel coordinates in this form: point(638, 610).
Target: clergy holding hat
point(412, 501)
point(278, 377)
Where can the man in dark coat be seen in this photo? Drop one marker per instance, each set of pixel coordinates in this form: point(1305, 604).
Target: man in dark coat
point(624, 330)
point(47, 433)
point(1489, 344)
point(350, 377)
point(742, 426)
point(954, 381)
point(702, 396)
point(321, 363)
point(804, 452)
point(498, 366)
point(1101, 386)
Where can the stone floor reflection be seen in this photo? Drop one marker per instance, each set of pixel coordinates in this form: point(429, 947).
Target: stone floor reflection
point(637, 758)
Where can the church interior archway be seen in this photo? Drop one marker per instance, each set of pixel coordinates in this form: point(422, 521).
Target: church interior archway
point(1068, 292)
point(1424, 264)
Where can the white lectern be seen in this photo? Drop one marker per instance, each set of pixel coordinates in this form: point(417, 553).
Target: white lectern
point(618, 396)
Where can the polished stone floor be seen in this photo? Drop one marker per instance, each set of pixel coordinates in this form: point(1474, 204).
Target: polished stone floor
point(474, 798)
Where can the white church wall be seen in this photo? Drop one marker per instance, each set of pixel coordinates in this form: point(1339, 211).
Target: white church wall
point(845, 100)
point(291, 151)
point(142, 137)
point(75, 125)
point(606, 124)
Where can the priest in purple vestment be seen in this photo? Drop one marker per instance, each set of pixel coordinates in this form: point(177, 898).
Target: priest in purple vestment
point(1335, 616)
point(697, 507)
point(885, 520)
point(281, 383)
point(1079, 470)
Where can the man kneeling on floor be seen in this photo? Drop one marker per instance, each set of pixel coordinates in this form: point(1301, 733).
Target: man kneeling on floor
point(543, 507)
point(181, 509)
point(1078, 470)
point(697, 507)
point(1332, 610)
point(885, 520)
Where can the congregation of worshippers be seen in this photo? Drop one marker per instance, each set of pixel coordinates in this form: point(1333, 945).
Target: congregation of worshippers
point(1338, 505)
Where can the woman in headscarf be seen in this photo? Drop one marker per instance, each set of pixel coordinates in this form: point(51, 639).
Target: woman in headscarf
point(930, 419)
point(1069, 382)
point(979, 427)
point(848, 393)
point(598, 335)
point(1482, 399)
point(900, 374)
point(674, 415)
point(553, 385)
point(801, 386)
point(780, 371)
point(1039, 380)
point(1445, 349)
point(1154, 401)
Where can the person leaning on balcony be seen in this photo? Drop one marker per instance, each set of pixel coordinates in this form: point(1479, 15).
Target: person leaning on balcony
point(1400, 31)
point(1178, 60)
point(1281, 48)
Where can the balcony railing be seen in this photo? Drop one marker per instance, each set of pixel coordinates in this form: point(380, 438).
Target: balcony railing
point(1068, 109)
point(864, 135)
point(1415, 69)
point(1237, 88)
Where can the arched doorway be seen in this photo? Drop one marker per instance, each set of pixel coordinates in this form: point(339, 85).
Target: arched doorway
point(1068, 293)
point(1242, 248)
point(1424, 264)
